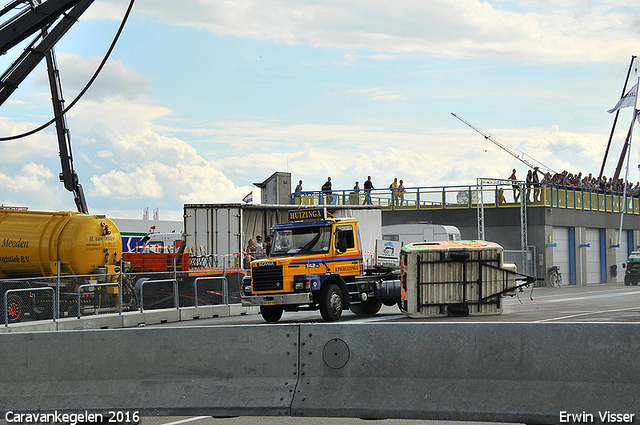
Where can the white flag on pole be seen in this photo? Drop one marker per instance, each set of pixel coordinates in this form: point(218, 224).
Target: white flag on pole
point(627, 100)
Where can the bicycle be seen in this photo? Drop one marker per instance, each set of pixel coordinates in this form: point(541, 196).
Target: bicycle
point(555, 277)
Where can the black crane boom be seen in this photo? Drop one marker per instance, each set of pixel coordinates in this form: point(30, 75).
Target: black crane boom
point(33, 18)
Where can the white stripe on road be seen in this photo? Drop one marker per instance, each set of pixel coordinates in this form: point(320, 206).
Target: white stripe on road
point(586, 314)
point(197, 418)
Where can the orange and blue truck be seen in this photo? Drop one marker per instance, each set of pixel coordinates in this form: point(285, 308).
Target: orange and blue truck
point(319, 262)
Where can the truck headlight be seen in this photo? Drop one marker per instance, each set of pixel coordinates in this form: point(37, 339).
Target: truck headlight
point(301, 285)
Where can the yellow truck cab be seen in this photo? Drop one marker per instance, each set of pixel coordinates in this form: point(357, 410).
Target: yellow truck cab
point(317, 262)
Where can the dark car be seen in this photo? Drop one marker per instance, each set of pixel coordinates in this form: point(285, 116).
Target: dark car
point(632, 275)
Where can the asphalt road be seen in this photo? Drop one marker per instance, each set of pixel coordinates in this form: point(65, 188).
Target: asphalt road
point(592, 303)
point(265, 420)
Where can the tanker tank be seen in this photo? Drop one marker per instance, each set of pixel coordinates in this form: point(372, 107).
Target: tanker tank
point(32, 242)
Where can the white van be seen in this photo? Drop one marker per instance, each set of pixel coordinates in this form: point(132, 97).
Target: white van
point(420, 232)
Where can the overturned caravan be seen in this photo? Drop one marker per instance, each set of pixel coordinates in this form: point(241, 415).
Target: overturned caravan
point(456, 278)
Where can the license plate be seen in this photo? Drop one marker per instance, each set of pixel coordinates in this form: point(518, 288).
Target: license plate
point(268, 302)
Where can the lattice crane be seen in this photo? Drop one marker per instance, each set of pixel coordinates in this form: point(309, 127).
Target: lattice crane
point(502, 146)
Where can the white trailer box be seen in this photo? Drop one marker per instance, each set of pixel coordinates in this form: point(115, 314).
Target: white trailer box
point(220, 232)
point(420, 232)
point(454, 278)
point(370, 225)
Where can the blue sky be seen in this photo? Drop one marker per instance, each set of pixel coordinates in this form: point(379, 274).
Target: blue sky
point(202, 98)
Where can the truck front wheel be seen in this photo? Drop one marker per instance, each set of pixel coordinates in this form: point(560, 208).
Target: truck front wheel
point(271, 313)
point(331, 302)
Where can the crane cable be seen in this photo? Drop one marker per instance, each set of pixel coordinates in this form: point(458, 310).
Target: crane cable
point(86, 87)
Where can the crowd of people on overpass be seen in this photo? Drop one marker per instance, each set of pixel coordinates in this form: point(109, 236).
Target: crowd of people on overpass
point(588, 182)
point(534, 180)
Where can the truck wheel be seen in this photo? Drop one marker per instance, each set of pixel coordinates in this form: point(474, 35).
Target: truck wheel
point(15, 309)
point(271, 313)
point(331, 302)
point(368, 308)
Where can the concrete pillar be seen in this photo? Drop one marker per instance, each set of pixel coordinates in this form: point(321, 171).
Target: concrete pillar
point(581, 255)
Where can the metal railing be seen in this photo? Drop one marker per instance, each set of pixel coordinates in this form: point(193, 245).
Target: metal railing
point(6, 296)
point(225, 287)
point(179, 289)
point(462, 197)
point(97, 285)
point(174, 282)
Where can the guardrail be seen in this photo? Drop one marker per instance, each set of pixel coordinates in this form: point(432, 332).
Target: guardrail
point(461, 197)
point(98, 285)
point(534, 373)
point(225, 287)
point(6, 296)
point(173, 282)
point(188, 290)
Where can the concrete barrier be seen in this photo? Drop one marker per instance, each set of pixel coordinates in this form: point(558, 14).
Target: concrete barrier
point(101, 321)
point(39, 326)
point(498, 372)
point(150, 317)
point(203, 312)
point(130, 319)
point(510, 372)
point(205, 370)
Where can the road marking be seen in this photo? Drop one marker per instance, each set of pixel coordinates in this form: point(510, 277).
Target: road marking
point(370, 319)
point(574, 298)
point(586, 314)
point(197, 418)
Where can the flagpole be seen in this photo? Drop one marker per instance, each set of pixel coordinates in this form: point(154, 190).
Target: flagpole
point(615, 120)
point(633, 92)
point(625, 147)
point(623, 207)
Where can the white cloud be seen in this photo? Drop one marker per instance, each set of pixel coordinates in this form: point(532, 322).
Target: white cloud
point(441, 156)
point(558, 31)
point(125, 164)
point(114, 81)
point(377, 93)
point(32, 179)
point(43, 144)
point(149, 165)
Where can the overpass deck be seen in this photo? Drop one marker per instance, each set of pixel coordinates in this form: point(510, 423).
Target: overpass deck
point(463, 197)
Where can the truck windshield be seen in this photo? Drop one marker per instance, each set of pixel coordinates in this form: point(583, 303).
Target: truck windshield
point(301, 240)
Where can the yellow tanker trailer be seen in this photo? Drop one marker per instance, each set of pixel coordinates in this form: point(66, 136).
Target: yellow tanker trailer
point(39, 244)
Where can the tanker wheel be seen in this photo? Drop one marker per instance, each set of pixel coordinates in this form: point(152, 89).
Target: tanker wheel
point(368, 308)
point(331, 302)
point(271, 313)
point(15, 309)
